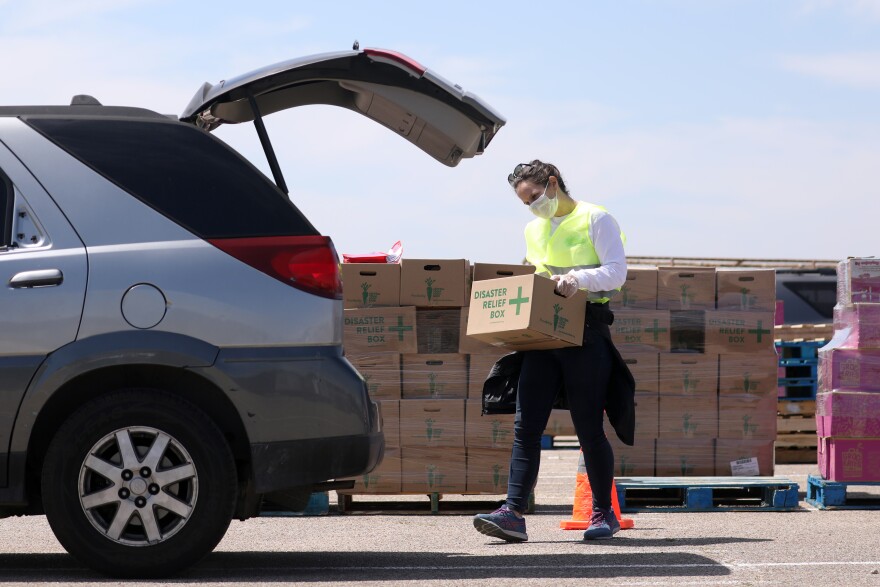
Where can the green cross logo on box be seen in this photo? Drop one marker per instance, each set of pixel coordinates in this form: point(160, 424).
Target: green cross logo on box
point(370, 480)
point(626, 468)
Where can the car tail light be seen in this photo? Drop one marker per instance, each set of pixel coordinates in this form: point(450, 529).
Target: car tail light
point(395, 58)
point(308, 263)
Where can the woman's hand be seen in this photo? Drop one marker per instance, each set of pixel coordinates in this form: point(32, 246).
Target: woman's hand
point(566, 285)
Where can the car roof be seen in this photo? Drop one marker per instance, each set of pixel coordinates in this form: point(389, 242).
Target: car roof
point(84, 111)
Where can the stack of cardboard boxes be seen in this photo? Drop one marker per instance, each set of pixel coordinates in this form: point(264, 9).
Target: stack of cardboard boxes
point(848, 402)
point(404, 330)
point(700, 345)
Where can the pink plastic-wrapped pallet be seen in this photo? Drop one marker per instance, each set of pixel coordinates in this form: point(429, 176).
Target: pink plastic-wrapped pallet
point(857, 326)
point(858, 280)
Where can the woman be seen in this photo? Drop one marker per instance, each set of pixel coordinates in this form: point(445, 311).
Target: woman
point(580, 246)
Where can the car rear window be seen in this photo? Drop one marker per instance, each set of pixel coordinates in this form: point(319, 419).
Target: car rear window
point(183, 173)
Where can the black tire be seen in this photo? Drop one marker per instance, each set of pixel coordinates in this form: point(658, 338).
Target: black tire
point(178, 540)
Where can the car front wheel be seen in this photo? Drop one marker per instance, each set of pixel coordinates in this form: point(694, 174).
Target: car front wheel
point(139, 483)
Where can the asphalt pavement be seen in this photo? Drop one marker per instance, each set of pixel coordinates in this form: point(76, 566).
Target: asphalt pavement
point(804, 547)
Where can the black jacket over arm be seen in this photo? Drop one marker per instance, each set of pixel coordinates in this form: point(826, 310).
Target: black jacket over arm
point(500, 388)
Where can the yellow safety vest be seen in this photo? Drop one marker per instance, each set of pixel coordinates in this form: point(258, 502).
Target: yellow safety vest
point(569, 247)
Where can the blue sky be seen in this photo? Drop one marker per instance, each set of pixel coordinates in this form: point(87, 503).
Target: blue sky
point(729, 128)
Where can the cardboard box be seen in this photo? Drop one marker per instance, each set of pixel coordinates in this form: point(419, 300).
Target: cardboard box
point(739, 332)
point(747, 417)
point(647, 416)
point(428, 283)
point(370, 330)
point(688, 374)
point(849, 459)
point(469, 345)
point(682, 417)
point(848, 414)
point(560, 424)
point(384, 479)
point(641, 330)
point(367, 285)
point(756, 374)
point(479, 367)
point(484, 271)
point(381, 371)
point(858, 280)
point(849, 369)
point(390, 411)
point(432, 422)
point(645, 369)
point(487, 470)
point(438, 331)
point(633, 461)
point(727, 451)
point(746, 289)
point(433, 470)
point(687, 331)
point(857, 326)
point(639, 291)
point(686, 288)
point(434, 376)
point(490, 431)
point(685, 458)
point(525, 313)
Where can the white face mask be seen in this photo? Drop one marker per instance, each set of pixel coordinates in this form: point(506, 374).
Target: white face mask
point(545, 207)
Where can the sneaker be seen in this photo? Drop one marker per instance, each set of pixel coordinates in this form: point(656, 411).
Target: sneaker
point(603, 525)
point(503, 524)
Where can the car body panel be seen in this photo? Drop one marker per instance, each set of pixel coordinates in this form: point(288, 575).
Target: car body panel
point(438, 117)
point(205, 288)
point(26, 342)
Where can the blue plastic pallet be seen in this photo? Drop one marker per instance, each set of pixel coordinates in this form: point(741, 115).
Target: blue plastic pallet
point(319, 505)
point(803, 349)
point(797, 381)
point(706, 494)
point(831, 495)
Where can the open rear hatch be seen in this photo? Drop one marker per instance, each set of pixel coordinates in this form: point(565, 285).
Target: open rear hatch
point(438, 117)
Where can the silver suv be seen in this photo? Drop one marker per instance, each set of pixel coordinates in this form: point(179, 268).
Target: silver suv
point(171, 346)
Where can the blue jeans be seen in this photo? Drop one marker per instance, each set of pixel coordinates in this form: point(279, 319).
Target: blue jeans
point(584, 372)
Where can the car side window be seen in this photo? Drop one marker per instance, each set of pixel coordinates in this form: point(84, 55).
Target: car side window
point(183, 173)
point(7, 201)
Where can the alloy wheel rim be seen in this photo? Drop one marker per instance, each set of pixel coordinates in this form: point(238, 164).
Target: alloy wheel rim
point(138, 486)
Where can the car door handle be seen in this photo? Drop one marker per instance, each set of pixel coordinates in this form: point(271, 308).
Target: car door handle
point(41, 278)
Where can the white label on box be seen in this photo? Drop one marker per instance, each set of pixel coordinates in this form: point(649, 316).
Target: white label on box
point(745, 467)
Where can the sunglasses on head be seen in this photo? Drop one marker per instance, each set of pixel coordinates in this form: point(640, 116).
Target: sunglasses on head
point(517, 172)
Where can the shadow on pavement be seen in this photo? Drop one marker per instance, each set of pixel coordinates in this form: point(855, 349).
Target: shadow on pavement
point(248, 567)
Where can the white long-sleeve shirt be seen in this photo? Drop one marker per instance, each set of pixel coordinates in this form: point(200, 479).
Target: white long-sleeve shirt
point(605, 236)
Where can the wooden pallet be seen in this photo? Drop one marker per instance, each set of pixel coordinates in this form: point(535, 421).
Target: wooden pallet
point(706, 494)
point(436, 504)
point(796, 407)
point(796, 456)
point(795, 424)
point(803, 332)
point(832, 495)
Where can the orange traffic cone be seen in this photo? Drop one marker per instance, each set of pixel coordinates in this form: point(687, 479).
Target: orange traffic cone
point(583, 502)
